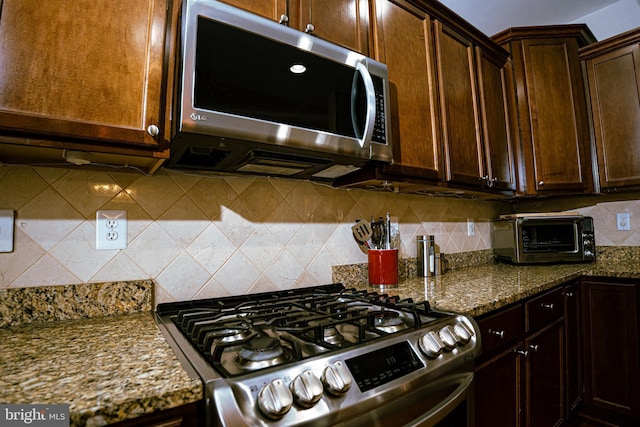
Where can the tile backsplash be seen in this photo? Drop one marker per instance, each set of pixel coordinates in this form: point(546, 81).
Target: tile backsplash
point(202, 237)
point(199, 236)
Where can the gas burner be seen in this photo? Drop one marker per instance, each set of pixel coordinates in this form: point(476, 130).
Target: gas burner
point(261, 352)
point(388, 321)
point(230, 334)
point(332, 336)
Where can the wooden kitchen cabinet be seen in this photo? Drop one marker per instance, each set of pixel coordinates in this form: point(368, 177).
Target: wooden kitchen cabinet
point(520, 376)
point(555, 149)
point(405, 44)
point(611, 334)
point(613, 74)
point(449, 111)
point(87, 76)
point(343, 22)
point(499, 372)
point(474, 111)
point(573, 344)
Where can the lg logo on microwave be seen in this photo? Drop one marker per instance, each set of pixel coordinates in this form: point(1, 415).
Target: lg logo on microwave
point(198, 117)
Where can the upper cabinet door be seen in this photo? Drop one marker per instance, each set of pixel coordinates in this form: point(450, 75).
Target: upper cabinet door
point(552, 114)
point(405, 43)
point(459, 112)
point(613, 73)
point(498, 125)
point(558, 129)
point(343, 22)
point(278, 10)
point(84, 70)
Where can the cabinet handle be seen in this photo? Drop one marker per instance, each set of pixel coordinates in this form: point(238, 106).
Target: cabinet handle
point(310, 28)
point(284, 20)
point(534, 347)
point(569, 294)
point(541, 183)
point(525, 353)
point(499, 334)
point(153, 130)
point(547, 306)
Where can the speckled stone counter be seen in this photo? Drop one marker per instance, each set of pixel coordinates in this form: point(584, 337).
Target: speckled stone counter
point(106, 367)
point(483, 288)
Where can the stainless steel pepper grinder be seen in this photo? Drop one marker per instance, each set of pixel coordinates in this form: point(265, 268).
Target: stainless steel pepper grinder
point(426, 256)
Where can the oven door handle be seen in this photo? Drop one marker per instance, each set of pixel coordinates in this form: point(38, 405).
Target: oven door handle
point(444, 408)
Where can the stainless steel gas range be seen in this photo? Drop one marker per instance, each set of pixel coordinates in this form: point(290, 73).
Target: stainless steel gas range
point(326, 355)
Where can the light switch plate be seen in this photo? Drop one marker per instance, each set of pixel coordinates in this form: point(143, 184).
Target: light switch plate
point(111, 229)
point(6, 230)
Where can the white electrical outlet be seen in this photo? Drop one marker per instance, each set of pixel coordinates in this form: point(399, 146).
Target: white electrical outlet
point(111, 229)
point(471, 227)
point(623, 221)
point(6, 230)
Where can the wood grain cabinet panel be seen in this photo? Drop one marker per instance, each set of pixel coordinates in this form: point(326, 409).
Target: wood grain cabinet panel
point(613, 74)
point(271, 9)
point(343, 22)
point(611, 334)
point(86, 75)
point(521, 373)
point(555, 155)
point(460, 115)
point(474, 112)
point(405, 44)
point(498, 120)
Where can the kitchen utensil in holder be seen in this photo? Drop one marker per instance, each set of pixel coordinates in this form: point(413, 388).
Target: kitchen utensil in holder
point(383, 267)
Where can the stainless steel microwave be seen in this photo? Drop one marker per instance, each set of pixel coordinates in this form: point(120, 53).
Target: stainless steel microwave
point(258, 97)
point(537, 239)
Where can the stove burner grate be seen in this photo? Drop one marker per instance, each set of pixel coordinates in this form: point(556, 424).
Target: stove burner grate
point(252, 332)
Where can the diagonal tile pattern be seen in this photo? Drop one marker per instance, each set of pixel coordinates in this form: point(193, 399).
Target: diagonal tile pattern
point(202, 236)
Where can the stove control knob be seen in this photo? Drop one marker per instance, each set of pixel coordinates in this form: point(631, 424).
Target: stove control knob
point(463, 332)
point(275, 399)
point(336, 379)
point(448, 338)
point(307, 389)
point(431, 345)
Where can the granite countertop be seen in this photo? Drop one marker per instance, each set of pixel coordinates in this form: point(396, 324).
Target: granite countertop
point(97, 348)
point(107, 365)
point(480, 289)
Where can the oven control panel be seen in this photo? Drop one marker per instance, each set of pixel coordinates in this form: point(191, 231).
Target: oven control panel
point(312, 387)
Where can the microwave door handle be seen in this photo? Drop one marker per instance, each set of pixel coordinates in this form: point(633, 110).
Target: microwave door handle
point(370, 94)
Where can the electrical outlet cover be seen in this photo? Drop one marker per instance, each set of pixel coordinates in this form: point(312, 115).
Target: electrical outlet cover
point(111, 229)
point(623, 221)
point(6, 230)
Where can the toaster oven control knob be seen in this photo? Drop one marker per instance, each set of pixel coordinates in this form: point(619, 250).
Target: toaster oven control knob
point(307, 389)
point(275, 399)
point(463, 332)
point(336, 379)
point(448, 337)
point(431, 345)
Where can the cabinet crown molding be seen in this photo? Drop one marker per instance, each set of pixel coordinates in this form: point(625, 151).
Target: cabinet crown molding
point(580, 32)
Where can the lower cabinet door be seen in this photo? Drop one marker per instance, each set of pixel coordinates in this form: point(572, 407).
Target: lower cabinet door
point(546, 377)
point(498, 385)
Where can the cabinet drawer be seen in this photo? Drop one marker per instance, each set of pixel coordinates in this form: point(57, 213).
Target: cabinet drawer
point(500, 329)
point(545, 309)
